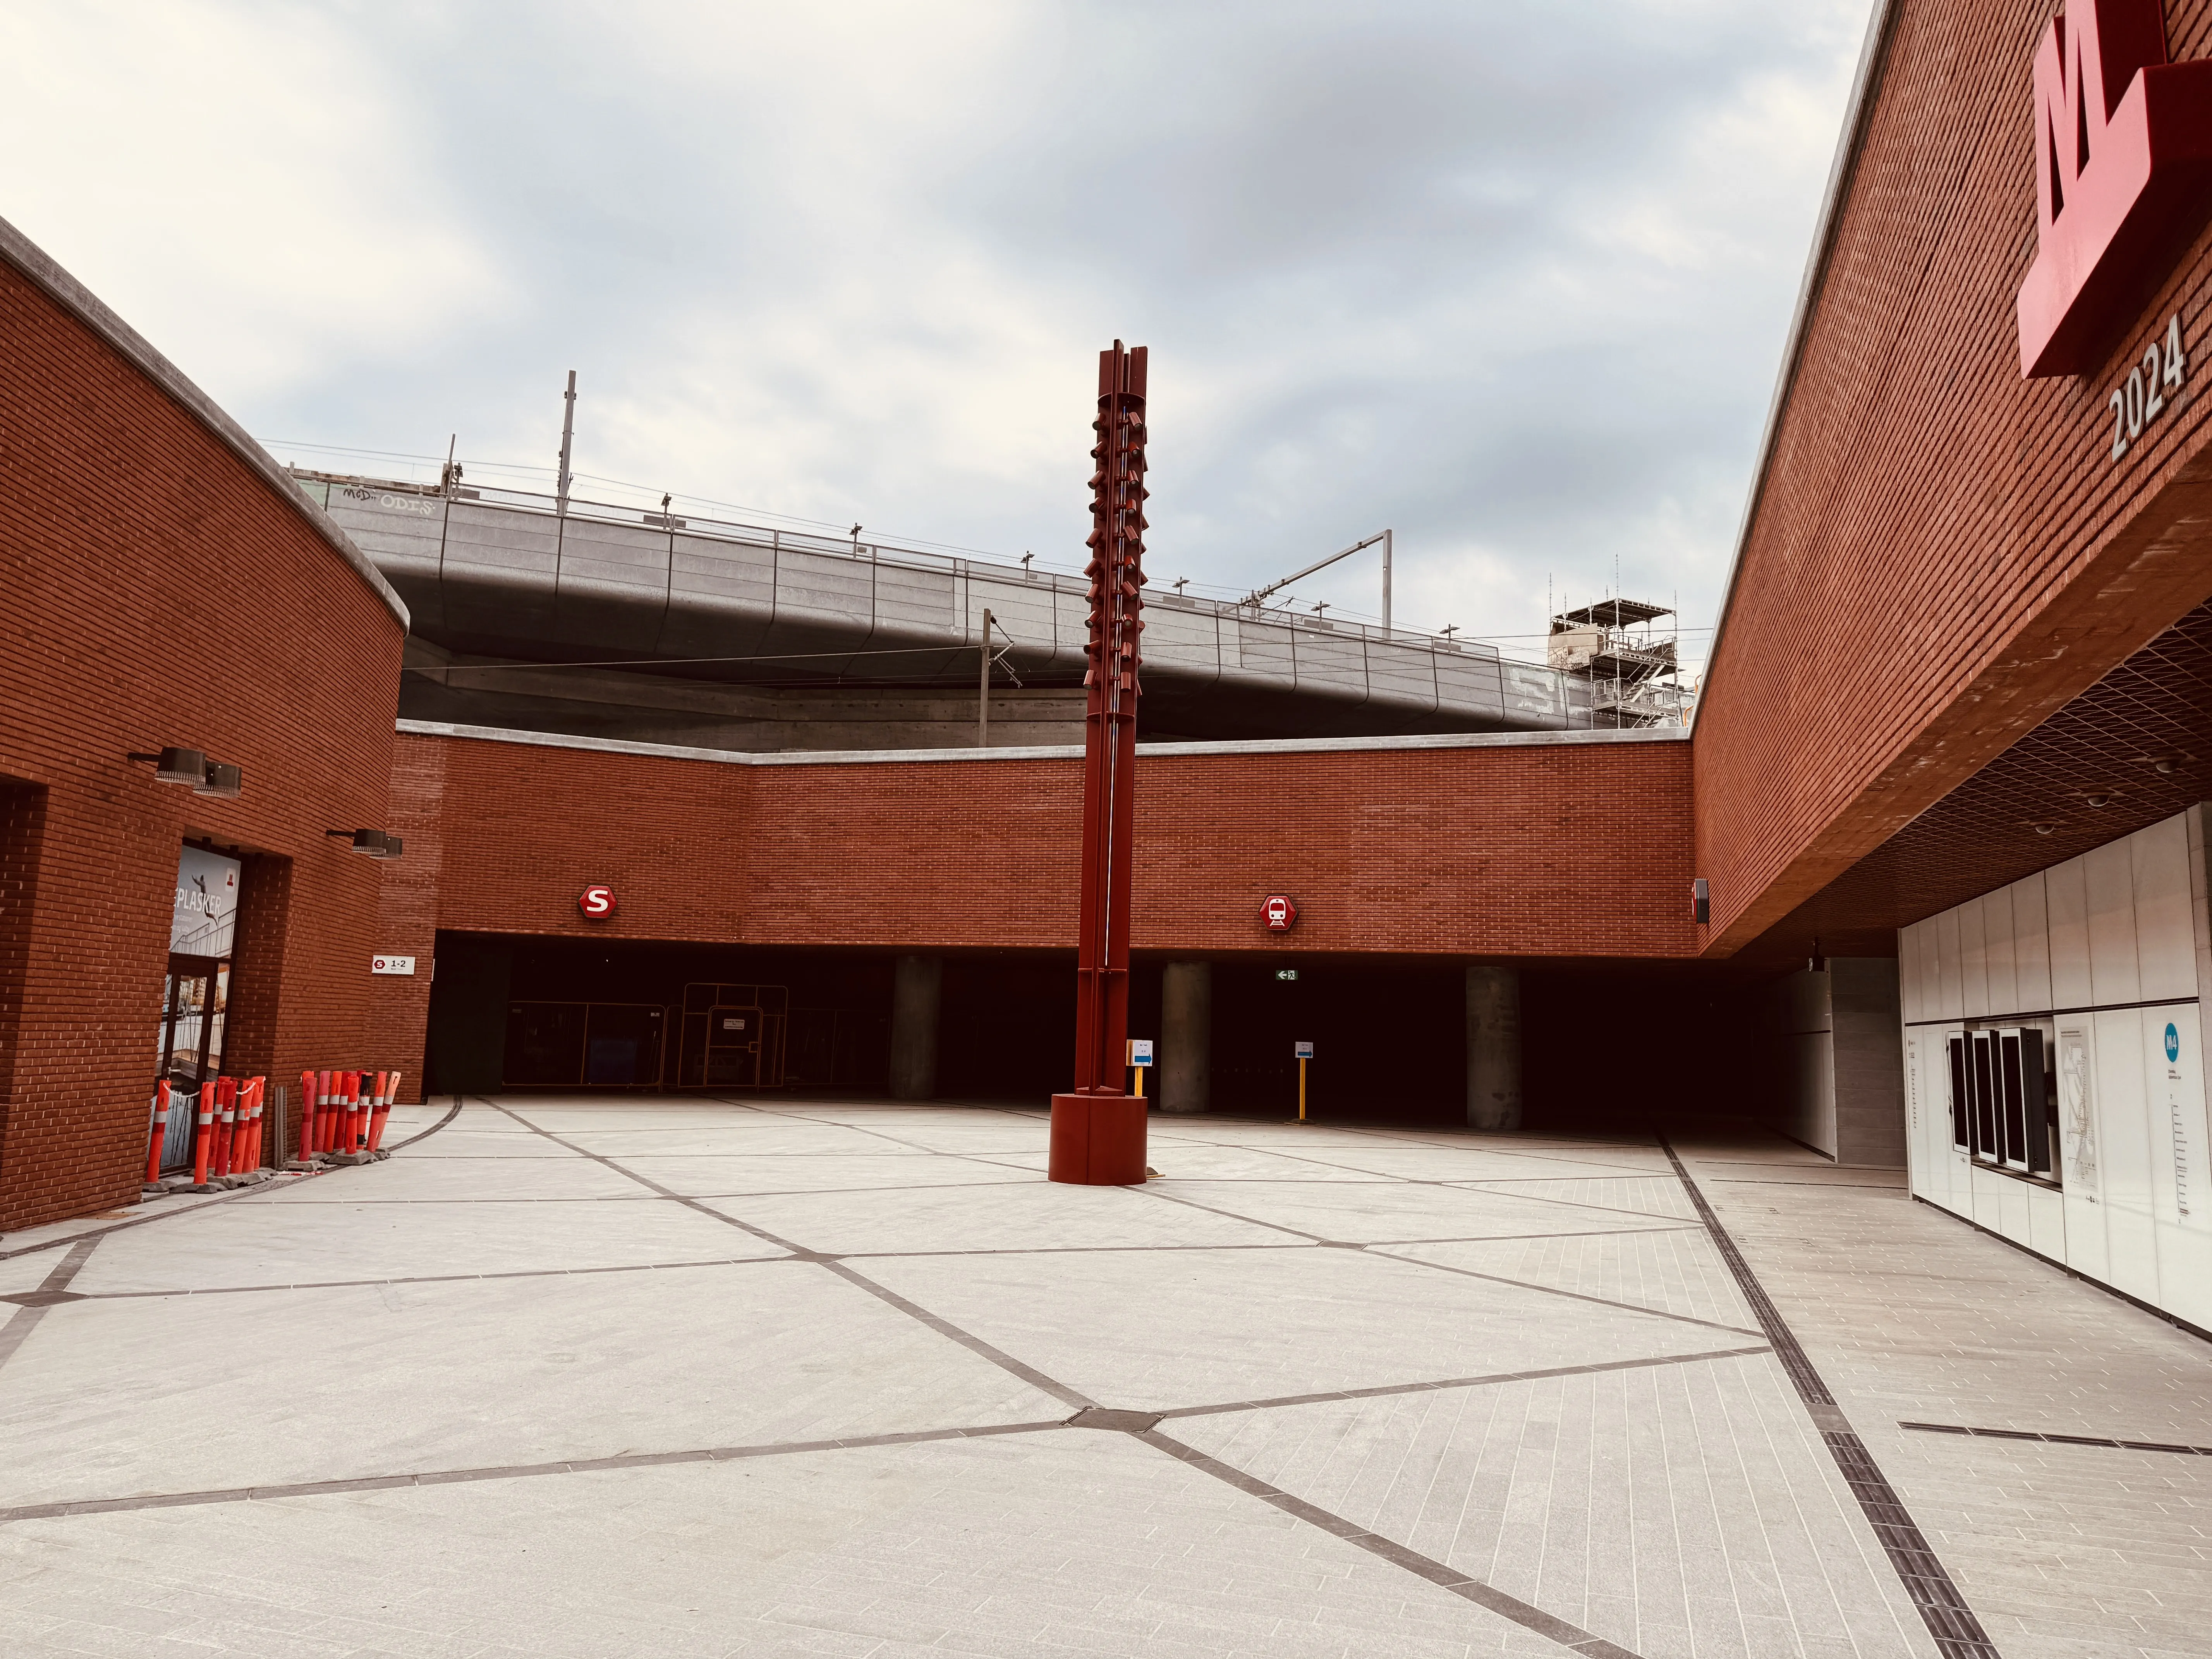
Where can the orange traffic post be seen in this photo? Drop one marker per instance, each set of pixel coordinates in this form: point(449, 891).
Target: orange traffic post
point(353, 1111)
point(324, 1113)
point(252, 1158)
point(203, 1132)
point(225, 1122)
point(161, 1133)
point(242, 1126)
point(387, 1090)
point(307, 1115)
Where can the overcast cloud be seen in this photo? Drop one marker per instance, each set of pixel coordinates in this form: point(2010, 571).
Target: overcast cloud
point(1511, 278)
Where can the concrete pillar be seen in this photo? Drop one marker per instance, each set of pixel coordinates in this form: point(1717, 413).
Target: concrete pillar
point(1493, 1049)
point(1185, 1070)
point(915, 992)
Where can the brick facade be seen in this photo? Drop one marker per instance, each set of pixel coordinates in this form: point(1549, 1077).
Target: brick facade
point(161, 591)
point(1941, 554)
point(1543, 850)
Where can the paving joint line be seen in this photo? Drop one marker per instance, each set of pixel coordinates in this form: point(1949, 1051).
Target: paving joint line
point(262, 1191)
point(1958, 1633)
point(1388, 1389)
point(2053, 1439)
point(974, 1344)
point(1530, 1617)
point(30, 1297)
point(54, 1290)
point(1369, 1248)
point(507, 1472)
point(1577, 1296)
point(1090, 1415)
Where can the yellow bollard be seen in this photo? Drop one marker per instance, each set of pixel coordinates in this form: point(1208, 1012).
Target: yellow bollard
point(1305, 1052)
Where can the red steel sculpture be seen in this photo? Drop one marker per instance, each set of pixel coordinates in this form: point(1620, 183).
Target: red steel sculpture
point(1097, 1129)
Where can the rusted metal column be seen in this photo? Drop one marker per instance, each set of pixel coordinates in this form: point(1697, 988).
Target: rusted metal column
point(1098, 1130)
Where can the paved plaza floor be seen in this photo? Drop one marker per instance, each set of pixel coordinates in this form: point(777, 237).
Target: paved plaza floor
point(571, 1376)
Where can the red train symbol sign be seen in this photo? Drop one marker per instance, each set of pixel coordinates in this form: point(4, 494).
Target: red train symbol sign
point(1279, 912)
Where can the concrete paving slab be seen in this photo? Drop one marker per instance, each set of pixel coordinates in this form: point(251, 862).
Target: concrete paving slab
point(1362, 1212)
point(1034, 1215)
point(404, 1180)
point(1157, 1330)
point(1184, 1158)
point(1674, 1271)
point(402, 1378)
point(968, 1548)
point(733, 1175)
point(338, 1241)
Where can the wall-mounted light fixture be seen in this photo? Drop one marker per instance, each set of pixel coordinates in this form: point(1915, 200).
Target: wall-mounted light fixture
point(370, 844)
point(175, 765)
point(191, 766)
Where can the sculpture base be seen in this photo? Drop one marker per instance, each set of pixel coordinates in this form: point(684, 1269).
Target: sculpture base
point(1098, 1141)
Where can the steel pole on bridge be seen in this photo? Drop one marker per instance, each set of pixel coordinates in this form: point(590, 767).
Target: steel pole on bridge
point(1098, 1130)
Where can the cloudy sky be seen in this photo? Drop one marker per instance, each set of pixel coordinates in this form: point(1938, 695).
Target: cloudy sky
point(1510, 276)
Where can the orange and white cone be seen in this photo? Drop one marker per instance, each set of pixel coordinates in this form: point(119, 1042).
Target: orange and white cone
point(226, 1123)
point(251, 1159)
point(387, 1090)
point(203, 1133)
point(307, 1115)
point(161, 1133)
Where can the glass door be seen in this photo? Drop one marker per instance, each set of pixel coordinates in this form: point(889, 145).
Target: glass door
point(190, 1043)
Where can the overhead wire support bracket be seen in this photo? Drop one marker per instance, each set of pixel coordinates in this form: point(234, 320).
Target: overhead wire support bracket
point(1259, 596)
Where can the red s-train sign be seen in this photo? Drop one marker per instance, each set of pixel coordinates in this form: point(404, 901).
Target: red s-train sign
point(597, 902)
point(2123, 176)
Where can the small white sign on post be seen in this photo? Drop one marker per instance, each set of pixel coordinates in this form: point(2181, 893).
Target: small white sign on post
point(1140, 1051)
point(392, 964)
point(1305, 1051)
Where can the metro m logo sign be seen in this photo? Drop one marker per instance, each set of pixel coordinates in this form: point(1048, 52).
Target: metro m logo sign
point(2123, 175)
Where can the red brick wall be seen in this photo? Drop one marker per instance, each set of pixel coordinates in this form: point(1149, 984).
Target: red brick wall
point(162, 592)
point(1944, 554)
point(1544, 850)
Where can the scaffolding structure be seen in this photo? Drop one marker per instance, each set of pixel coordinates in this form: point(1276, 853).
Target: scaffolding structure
point(1633, 672)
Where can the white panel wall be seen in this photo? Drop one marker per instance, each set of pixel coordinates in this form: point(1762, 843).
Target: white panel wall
point(2066, 896)
point(2031, 934)
point(2165, 942)
point(2109, 954)
point(1973, 958)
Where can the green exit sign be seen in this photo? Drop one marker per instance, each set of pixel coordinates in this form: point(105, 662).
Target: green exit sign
point(1286, 973)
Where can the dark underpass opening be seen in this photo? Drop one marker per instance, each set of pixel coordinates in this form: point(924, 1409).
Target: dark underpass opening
point(1605, 1047)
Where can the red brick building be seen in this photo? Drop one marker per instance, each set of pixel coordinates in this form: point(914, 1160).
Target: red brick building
point(1968, 638)
point(166, 589)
